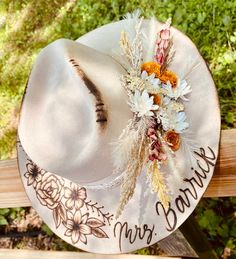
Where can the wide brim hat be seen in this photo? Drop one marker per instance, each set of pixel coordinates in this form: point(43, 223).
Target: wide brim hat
point(74, 110)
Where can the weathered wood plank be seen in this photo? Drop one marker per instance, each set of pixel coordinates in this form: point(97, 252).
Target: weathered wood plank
point(224, 179)
point(12, 193)
point(223, 183)
point(25, 254)
point(176, 245)
point(197, 239)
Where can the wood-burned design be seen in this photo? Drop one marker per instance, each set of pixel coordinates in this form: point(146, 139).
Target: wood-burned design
point(69, 205)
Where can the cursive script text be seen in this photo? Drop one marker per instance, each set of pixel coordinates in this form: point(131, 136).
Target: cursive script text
point(124, 232)
point(204, 163)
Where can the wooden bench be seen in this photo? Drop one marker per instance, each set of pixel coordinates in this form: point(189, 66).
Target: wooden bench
point(223, 184)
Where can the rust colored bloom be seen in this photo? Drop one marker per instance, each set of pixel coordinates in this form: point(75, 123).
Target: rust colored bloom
point(50, 190)
point(157, 99)
point(173, 139)
point(154, 68)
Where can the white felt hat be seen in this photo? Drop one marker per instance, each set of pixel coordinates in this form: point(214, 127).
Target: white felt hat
point(75, 109)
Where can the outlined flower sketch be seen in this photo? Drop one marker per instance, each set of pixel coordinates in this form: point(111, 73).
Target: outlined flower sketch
point(68, 204)
point(75, 196)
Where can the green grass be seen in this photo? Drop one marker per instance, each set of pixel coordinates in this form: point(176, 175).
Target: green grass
point(26, 26)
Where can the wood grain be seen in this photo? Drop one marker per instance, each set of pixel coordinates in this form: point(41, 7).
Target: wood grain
point(177, 245)
point(12, 193)
point(223, 183)
point(30, 254)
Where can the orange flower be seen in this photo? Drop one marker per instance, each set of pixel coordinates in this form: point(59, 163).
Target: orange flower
point(154, 68)
point(173, 139)
point(157, 99)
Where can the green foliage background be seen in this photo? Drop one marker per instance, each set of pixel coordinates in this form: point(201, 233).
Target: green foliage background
point(26, 26)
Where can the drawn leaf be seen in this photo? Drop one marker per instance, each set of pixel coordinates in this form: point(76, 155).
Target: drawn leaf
point(62, 212)
point(94, 223)
point(56, 217)
point(97, 232)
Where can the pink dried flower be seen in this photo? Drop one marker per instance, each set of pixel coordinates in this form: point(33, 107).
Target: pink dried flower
point(155, 148)
point(163, 43)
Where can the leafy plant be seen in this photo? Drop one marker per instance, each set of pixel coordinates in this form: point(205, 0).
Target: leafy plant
point(8, 215)
point(217, 218)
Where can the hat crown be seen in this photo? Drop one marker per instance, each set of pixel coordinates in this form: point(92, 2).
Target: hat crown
point(73, 110)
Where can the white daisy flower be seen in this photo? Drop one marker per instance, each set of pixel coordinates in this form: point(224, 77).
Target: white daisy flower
point(142, 104)
point(179, 91)
point(155, 82)
point(177, 121)
point(172, 120)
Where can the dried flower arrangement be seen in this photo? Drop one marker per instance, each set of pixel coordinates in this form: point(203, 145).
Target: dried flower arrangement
point(155, 94)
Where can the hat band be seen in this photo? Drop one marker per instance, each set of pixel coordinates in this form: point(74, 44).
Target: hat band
point(106, 183)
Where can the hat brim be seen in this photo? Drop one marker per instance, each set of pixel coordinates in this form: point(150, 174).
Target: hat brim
point(88, 222)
